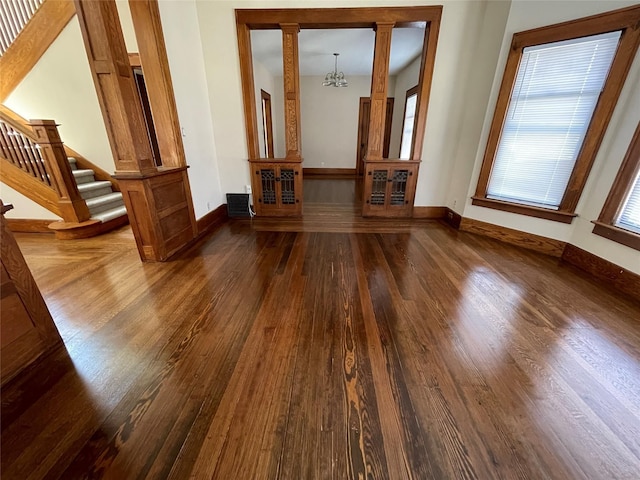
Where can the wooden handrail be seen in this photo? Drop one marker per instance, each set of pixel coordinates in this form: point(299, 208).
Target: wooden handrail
point(36, 150)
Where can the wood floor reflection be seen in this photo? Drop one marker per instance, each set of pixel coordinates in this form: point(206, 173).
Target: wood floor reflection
point(404, 351)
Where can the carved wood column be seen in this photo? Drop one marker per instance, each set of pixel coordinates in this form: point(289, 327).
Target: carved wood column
point(72, 206)
point(291, 82)
point(155, 66)
point(158, 201)
point(379, 82)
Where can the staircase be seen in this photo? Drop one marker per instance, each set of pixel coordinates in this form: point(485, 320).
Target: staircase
point(35, 163)
point(104, 204)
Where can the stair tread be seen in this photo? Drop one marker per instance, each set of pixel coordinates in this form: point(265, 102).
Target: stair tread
point(94, 185)
point(110, 214)
point(109, 197)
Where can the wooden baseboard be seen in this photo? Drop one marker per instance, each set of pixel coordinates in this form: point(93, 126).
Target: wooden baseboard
point(212, 220)
point(28, 225)
point(526, 240)
point(619, 278)
point(453, 219)
point(429, 212)
point(328, 171)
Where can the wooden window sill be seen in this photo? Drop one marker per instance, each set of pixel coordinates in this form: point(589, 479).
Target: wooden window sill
point(554, 215)
point(617, 234)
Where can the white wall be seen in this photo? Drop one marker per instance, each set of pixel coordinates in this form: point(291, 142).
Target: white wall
point(184, 51)
point(525, 15)
point(406, 79)
point(330, 121)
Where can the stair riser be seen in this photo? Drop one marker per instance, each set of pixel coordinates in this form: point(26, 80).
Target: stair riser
point(106, 206)
point(84, 179)
point(95, 193)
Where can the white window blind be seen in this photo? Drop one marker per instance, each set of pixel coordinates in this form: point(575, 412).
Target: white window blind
point(629, 217)
point(556, 90)
point(407, 129)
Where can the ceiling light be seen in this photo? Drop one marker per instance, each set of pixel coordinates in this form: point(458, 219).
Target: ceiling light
point(335, 78)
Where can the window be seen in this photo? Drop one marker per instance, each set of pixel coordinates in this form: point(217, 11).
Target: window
point(620, 216)
point(406, 137)
point(559, 89)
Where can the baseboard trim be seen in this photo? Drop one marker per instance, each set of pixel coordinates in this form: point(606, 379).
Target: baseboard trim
point(29, 225)
point(453, 219)
point(618, 277)
point(538, 243)
point(429, 212)
point(212, 220)
point(328, 171)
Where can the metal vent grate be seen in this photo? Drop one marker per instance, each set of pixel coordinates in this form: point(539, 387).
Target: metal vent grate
point(238, 204)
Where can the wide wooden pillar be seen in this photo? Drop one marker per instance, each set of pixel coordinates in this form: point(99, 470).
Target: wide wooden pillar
point(155, 66)
point(291, 80)
point(379, 83)
point(158, 201)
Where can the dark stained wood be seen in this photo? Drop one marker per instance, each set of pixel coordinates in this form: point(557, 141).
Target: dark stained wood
point(388, 208)
point(429, 212)
point(363, 131)
point(212, 220)
point(420, 352)
point(291, 82)
point(279, 207)
point(452, 218)
point(90, 228)
point(268, 123)
point(625, 19)
point(329, 171)
point(619, 190)
point(248, 91)
point(27, 329)
point(610, 273)
point(530, 241)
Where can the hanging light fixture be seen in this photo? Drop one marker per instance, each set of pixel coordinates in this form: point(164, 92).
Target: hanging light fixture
point(335, 78)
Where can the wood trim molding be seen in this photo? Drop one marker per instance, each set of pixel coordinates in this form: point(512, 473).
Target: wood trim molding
point(530, 211)
point(618, 277)
point(453, 219)
point(29, 225)
point(627, 20)
point(212, 220)
point(429, 212)
point(155, 66)
point(328, 171)
point(526, 240)
point(616, 234)
point(31, 43)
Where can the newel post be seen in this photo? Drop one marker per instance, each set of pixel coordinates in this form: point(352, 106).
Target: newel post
point(72, 205)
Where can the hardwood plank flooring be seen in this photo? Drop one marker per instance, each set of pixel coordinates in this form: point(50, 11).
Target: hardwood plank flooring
point(349, 349)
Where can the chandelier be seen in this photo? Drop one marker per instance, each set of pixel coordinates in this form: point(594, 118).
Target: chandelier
point(335, 78)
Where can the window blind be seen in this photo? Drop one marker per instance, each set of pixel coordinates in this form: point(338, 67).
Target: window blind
point(629, 217)
point(407, 130)
point(555, 93)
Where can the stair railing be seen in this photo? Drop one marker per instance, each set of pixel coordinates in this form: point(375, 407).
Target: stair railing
point(37, 151)
point(14, 15)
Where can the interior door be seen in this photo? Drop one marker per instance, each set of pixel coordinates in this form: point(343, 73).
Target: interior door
point(363, 131)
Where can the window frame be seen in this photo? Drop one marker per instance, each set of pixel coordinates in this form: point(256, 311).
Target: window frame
point(625, 19)
point(621, 187)
point(412, 91)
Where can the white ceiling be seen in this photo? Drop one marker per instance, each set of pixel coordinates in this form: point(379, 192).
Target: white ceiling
point(355, 46)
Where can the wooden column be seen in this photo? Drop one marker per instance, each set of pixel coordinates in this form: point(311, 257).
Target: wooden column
point(155, 66)
point(72, 206)
point(291, 82)
point(158, 202)
point(379, 82)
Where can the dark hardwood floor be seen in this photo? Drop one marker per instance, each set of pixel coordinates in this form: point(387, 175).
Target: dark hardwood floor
point(349, 349)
